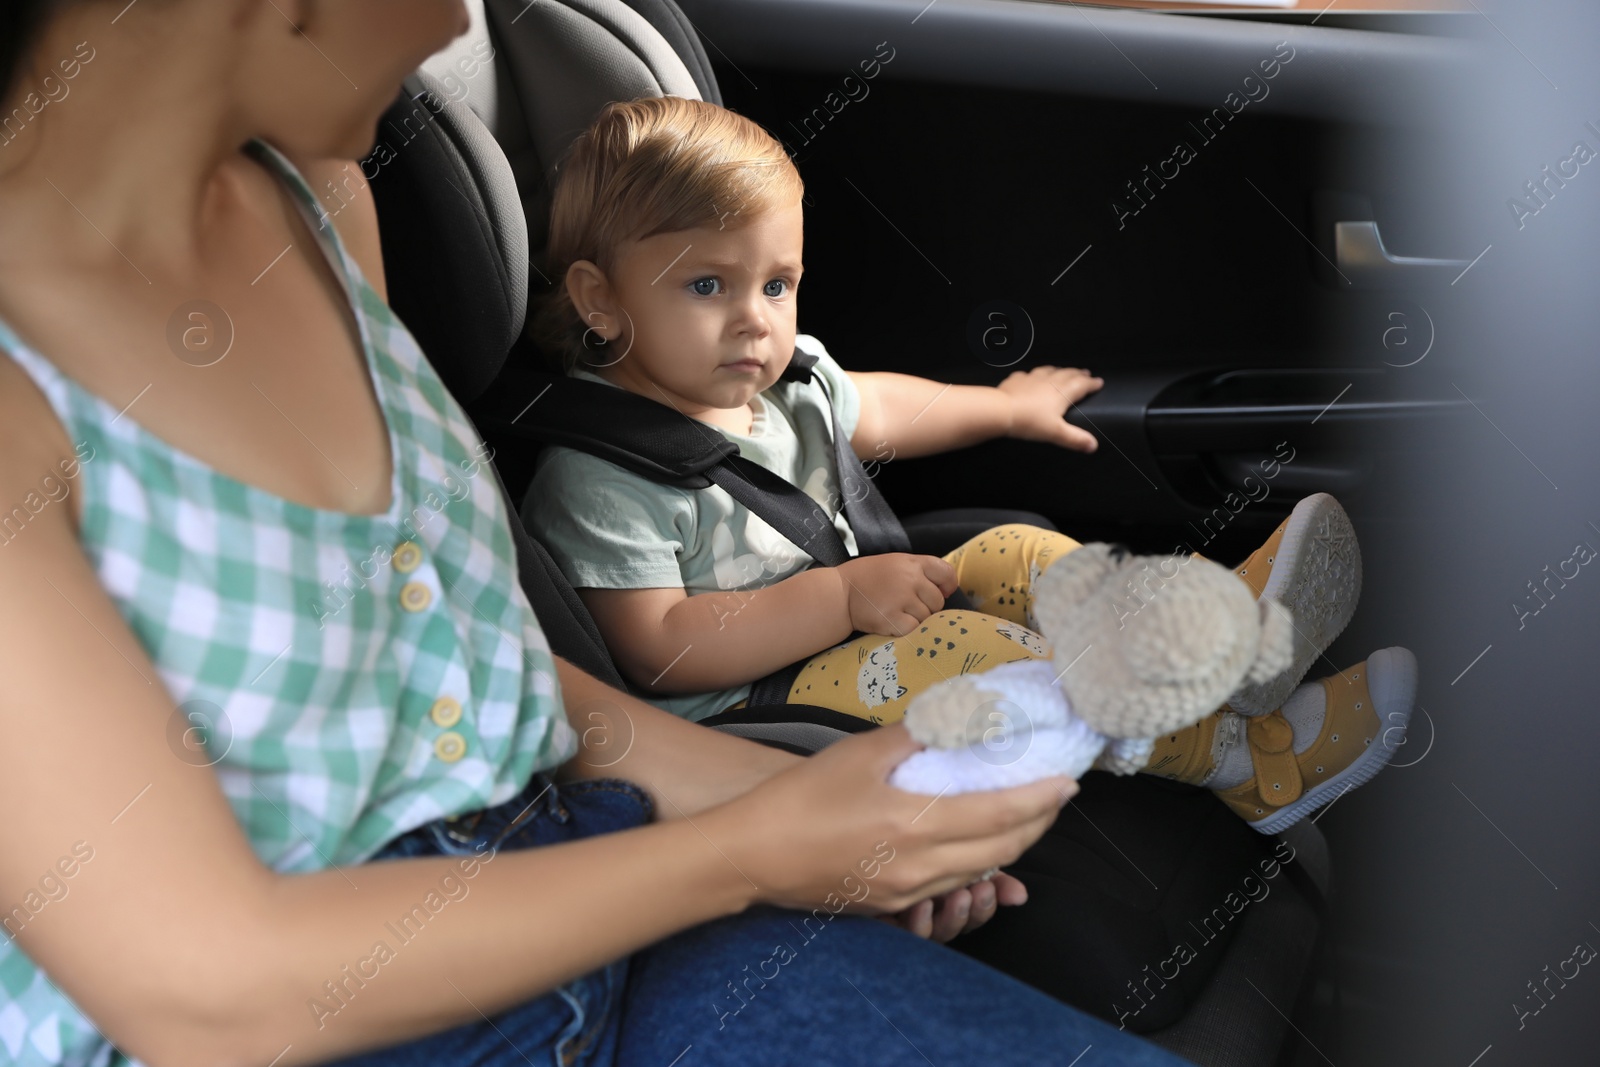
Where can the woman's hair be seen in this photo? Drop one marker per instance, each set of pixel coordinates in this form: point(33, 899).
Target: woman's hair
point(643, 167)
point(20, 23)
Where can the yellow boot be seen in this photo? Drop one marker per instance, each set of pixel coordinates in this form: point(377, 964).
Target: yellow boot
point(1329, 737)
point(1311, 565)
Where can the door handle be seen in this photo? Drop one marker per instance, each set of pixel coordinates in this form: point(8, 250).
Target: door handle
point(1359, 254)
point(1221, 411)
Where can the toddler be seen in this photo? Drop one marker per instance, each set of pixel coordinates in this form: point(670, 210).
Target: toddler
point(676, 237)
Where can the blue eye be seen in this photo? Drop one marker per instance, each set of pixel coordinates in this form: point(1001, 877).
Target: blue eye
point(698, 282)
point(784, 288)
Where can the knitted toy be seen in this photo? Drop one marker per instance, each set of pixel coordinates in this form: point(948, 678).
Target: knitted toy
point(1141, 646)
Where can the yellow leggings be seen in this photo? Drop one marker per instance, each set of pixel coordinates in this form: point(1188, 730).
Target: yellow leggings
point(875, 676)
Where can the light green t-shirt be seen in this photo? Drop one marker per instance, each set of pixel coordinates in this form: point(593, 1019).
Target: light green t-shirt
point(609, 528)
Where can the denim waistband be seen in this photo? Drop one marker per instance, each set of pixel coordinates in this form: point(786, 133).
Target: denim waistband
point(609, 804)
point(580, 1019)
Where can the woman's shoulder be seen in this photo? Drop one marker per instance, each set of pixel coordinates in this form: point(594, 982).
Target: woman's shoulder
point(32, 439)
point(20, 417)
point(357, 220)
point(36, 460)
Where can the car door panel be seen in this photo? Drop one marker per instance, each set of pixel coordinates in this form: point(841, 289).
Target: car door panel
point(991, 186)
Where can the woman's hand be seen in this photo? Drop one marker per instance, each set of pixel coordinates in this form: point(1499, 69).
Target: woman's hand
point(1040, 398)
point(831, 833)
point(960, 911)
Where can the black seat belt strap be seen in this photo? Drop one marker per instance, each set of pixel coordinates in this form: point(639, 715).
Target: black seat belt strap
point(874, 523)
point(784, 506)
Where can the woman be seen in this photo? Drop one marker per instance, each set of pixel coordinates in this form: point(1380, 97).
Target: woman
point(206, 412)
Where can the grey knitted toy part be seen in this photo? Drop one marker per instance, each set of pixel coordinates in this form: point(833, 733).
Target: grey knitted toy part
point(1152, 644)
point(1141, 646)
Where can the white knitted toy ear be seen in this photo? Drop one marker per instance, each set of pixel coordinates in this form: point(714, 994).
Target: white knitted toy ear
point(1125, 755)
point(944, 714)
point(1277, 643)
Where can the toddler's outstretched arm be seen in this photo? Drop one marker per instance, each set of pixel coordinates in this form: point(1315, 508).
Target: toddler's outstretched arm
point(903, 416)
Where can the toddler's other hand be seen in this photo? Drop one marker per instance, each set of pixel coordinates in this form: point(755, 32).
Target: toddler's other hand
point(1040, 398)
point(890, 593)
point(959, 911)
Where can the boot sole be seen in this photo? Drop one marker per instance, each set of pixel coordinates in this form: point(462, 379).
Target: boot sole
point(1321, 597)
point(1392, 682)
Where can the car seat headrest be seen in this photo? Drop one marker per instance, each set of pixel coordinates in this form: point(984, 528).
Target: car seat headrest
point(466, 157)
point(558, 63)
point(466, 67)
point(455, 243)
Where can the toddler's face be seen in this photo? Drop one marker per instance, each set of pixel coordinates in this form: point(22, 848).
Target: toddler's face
point(708, 314)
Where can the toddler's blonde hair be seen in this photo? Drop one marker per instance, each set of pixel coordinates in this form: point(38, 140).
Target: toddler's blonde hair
point(648, 166)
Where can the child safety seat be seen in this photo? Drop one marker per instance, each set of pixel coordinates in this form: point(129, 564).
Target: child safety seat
point(661, 444)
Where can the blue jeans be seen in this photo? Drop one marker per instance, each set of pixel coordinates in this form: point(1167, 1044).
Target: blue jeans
point(771, 986)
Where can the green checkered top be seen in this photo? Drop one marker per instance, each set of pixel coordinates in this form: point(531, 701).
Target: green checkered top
point(352, 676)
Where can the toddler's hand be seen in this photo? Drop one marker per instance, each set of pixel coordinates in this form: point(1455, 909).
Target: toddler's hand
point(960, 911)
point(1041, 396)
point(892, 592)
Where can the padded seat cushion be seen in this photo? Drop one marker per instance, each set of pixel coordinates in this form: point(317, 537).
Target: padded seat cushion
point(1133, 896)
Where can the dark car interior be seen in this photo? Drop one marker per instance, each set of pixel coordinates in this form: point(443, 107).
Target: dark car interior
point(1205, 209)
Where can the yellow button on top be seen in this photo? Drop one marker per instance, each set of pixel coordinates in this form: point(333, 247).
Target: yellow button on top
point(446, 711)
point(407, 554)
point(414, 596)
point(450, 746)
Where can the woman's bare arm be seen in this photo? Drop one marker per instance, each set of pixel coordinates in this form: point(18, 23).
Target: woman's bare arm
point(174, 937)
point(685, 767)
